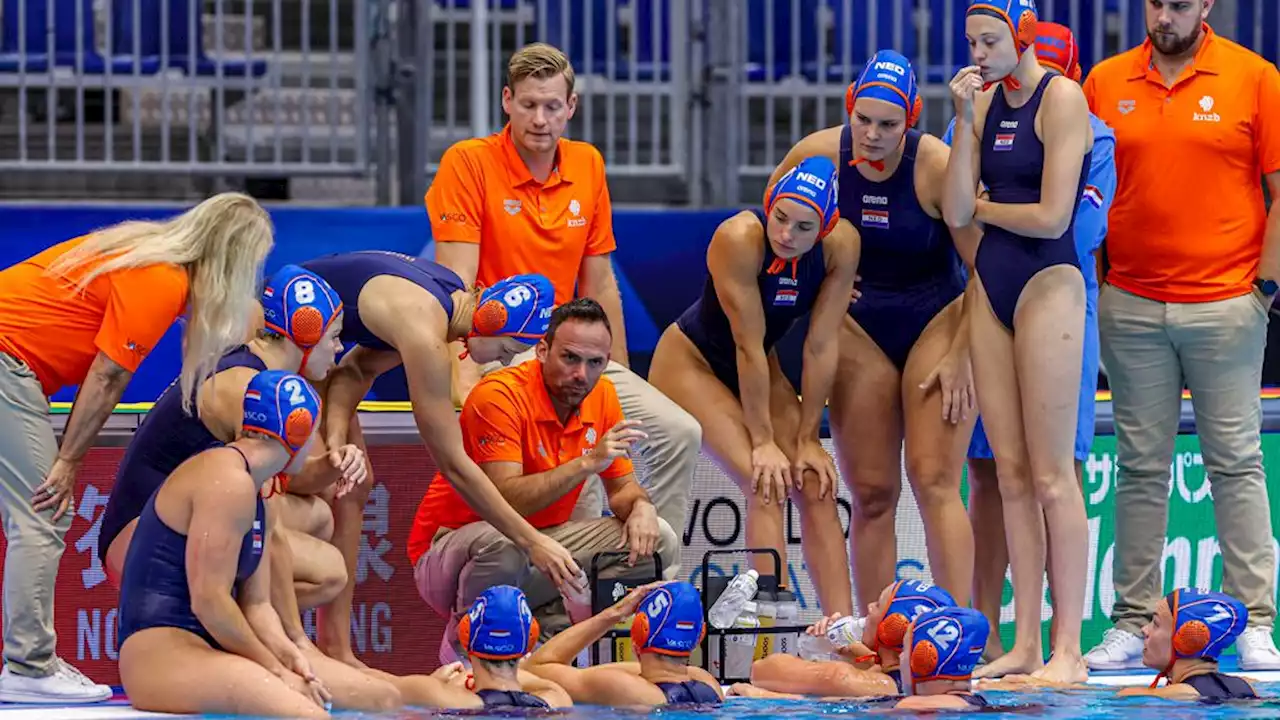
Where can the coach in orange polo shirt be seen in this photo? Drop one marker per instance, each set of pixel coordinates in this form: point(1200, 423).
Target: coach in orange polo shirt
point(526, 200)
point(1193, 271)
point(539, 430)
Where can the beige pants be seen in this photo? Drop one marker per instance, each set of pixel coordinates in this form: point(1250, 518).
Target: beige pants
point(666, 461)
point(1150, 349)
point(465, 562)
point(27, 451)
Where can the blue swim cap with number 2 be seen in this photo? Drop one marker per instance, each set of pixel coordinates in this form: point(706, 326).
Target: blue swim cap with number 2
point(518, 307)
point(282, 406)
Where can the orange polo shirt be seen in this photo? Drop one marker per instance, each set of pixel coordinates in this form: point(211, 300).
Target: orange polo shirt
point(483, 193)
point(57, 331)
point(1188, 217)
point(508, 417)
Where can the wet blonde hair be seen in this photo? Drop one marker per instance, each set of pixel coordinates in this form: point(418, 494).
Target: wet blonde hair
point(222, 244)
point(539, 61)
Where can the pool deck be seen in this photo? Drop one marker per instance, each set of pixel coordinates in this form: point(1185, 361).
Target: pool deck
point(118, 707)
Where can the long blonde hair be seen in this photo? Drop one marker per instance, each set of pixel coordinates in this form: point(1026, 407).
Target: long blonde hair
point(222, 243)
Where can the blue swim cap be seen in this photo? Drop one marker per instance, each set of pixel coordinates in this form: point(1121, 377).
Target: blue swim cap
point(908, 600)
point(1204, 623)
point(947, 643)
point(669, 621)
point(519, 307)
point(887, 76)
point(283, 406)
point(815, 183)
point(299, 305)
point(1020, 15)
point(499, 626)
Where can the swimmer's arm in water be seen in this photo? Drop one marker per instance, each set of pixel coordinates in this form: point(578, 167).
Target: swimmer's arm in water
point(221, 513)
point(821, 354)
point(597, 281)
point(464, 259)
point(733, 260)
point(348, 383)
point(1064, 118)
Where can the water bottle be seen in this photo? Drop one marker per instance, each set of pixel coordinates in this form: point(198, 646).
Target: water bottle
point(846, 631)
point(741, 590)
point(787, 613)
point(817, 649)
point(767, 612)
point(740, 650)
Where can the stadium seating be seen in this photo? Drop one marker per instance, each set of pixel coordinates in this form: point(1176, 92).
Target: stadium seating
point(71, 46)
point(144, 35)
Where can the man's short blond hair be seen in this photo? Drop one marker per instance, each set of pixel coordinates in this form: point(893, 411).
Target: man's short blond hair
point(539, 61)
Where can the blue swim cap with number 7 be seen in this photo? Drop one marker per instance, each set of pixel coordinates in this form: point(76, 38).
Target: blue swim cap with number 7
point(282, 406)
point(518, 307)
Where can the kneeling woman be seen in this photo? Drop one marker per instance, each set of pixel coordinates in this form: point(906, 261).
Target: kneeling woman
point(766, 270)
point(197, 631)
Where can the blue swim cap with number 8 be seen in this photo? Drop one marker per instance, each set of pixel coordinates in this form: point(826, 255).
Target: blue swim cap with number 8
point(282, 406)
point(299, 305)
point(518, 307)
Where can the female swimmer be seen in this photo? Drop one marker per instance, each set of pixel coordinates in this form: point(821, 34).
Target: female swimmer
point(905, 385)
point(1029, 142)
point(945, 646)
point(198, 633)
point(87, 312)
point(403, 310)
point(666, 627)
point(766, 270)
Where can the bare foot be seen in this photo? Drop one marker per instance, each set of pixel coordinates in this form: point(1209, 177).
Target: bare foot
point(1015, 662)
point(1064, 668)
point(995, 649)
point(346, 657)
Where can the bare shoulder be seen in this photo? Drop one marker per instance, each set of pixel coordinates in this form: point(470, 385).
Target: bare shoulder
point(840, 246)
point(742, 232)
point(392, 307)
point(824, 142)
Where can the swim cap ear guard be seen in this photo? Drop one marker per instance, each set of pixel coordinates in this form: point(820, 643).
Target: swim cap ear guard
point(518, 307)
point(282, 406)
point(1023, 27)
point(499, 626)
point(669, 621)
point(813, 183)
point(1056, 48)
point(947, 644)
point(1204, 624)
point(887, 76)
point(301, 306)
point(908, 600)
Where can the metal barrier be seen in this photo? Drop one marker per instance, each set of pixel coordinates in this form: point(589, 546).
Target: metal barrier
point(174, 87)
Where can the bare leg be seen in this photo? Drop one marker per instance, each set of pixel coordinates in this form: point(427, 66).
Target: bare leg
point(334, 626)
point(1049, 347)
point(990, 552)
point(781, 673)
point(172, 671)
point(319, 570)
point(935, 450)
point(866, 423)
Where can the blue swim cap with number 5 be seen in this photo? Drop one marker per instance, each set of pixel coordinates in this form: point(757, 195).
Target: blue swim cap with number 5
point(282, 406)
point(518, 307)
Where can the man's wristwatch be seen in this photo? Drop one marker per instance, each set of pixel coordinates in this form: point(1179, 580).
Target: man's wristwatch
point(1266, 287)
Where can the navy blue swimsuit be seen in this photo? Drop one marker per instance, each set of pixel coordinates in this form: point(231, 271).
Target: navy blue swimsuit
point(511, 698)
point(787, 294)
point(154, 590)
point(690, 692)
point(909, 266)
point(348, 273)
point(1216, 686)
point(1012, 170)
point(167, 438)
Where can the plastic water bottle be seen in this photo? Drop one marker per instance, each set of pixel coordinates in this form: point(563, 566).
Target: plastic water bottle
point(741, 590)
point(787, 614)
point(767, 612)
point(818, 649)
point(846, 632)
point(740, 650)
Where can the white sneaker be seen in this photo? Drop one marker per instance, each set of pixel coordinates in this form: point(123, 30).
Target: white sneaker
point(1257, 649)
point(1119, 650)
point(66, 686)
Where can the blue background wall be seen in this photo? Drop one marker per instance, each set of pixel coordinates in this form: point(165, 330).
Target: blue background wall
point(660, 265)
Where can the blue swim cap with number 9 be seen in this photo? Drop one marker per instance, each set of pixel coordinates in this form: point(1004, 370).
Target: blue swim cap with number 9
point(282, 406)
point(518, 307)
